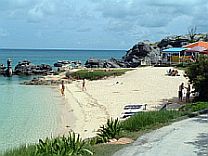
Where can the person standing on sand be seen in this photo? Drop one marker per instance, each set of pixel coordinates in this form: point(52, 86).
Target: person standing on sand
point(188, 92)
point(62, 88)
point(180, 92)
point(83, 85)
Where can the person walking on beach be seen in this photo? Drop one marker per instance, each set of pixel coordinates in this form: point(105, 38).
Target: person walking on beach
point(180, 92)
point(62, 88)
point(83, 85)
point(188, 92)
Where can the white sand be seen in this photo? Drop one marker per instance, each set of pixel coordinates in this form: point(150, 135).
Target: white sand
point(106, 98)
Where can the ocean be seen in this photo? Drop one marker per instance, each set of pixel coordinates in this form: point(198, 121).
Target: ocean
point(48, 56)
point(28, 113)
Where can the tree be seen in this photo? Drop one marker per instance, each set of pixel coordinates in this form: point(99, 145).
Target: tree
point(198, 75)
point(192, 33)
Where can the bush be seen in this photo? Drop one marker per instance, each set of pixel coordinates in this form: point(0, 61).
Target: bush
point(110, 130)
point(62, 146)
point(97, 74)
point(198, 75)
point(71, 145)
point(143, 120)
point(193, 107)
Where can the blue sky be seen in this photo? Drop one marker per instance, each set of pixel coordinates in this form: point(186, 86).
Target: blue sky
point(96, 24)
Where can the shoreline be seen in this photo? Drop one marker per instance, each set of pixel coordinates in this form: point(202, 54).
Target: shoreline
point(104, 99)
point(66, 117)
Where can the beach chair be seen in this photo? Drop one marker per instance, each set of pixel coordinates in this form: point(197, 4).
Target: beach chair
point(131, 109)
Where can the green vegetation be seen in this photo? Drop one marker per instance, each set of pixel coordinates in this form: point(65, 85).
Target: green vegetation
point(198, 75)
point(106, 149)
point(21, 151)
point(111, 130)
point(143, 120)
point(63, 146)
point(72, 145)
point(193, 107)
point(97, 74)
point(132, 127)
point(182, 66)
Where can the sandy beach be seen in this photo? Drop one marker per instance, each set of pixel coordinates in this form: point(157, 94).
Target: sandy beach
point(106, 98)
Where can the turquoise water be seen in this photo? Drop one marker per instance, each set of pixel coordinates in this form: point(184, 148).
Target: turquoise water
point(28, 113)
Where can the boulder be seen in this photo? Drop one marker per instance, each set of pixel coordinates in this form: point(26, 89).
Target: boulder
point(138, 52)
point(27, 68)
point(145, 52)
point(94, 63)
point(141, 52)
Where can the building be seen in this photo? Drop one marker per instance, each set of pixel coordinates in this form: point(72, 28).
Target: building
point(197, 44)
point(173, 55)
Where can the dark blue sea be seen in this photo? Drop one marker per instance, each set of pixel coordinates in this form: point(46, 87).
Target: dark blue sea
point(28, 113)
point(46, 56)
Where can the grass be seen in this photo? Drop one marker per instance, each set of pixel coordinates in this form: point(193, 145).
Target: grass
point(97, 74)
point(106, 149)
point(133, 127)
point(70, 145)
point(193, 107)
point(21, 151)
point(144, 120)
point(138, 125)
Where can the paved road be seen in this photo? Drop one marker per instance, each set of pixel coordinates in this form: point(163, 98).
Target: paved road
point(184, 138)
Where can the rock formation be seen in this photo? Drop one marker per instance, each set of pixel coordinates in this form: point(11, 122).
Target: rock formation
point(27, 68)
point(9, 71)
point(148, 52)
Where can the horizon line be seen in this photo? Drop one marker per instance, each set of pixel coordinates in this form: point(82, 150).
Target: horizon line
point(4, 48)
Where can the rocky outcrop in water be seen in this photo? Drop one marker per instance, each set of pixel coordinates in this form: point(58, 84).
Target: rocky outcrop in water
point(6, 71)
point(27, 68)
point(9, 70)
point(2, 69)
point(94, 63)
point(99, 63)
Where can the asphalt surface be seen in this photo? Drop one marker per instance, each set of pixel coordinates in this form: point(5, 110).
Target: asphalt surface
point(184, 138)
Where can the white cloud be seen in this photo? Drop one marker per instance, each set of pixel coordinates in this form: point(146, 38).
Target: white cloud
point(109, 21)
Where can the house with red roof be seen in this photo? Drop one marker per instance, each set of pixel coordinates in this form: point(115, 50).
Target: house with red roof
point(198, 44)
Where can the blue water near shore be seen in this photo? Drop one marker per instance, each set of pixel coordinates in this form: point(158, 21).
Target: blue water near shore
point(28, 113)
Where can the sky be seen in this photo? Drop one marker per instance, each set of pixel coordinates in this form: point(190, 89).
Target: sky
point(96, 24)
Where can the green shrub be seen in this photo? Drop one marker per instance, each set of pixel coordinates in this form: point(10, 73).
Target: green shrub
point(143, 120)
point(71, 145)
point(198, 75)
point(193, 107)
point(97, 74)
point(110, 130)
point(63, 146)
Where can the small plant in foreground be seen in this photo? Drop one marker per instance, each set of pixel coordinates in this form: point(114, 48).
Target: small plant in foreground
point(63, 146)
point(110, 130)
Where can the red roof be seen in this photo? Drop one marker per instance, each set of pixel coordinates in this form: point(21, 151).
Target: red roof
point(198, 44)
